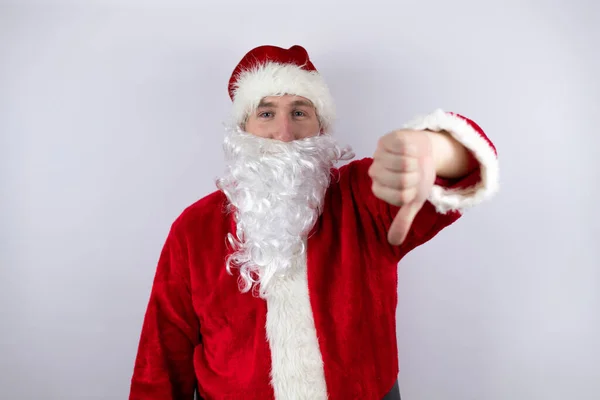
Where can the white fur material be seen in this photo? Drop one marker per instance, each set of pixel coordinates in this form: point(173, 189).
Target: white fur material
point(276, 190)
point(272, 79)
point(297, 365)
point(446, 200)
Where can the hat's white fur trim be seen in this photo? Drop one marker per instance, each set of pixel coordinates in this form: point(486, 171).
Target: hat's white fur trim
point(272, 79)
point(462, 130)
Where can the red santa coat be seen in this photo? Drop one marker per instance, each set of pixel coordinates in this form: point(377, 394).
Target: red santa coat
point(339, 308)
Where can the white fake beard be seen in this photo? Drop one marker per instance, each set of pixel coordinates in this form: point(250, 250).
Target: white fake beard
point(276, 191)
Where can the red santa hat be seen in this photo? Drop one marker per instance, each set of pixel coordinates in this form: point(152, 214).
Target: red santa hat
point(273, 71)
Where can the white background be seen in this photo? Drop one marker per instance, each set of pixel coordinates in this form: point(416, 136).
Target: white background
point(110, 122)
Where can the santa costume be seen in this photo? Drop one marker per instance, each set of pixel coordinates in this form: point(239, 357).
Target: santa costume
point(281, 284)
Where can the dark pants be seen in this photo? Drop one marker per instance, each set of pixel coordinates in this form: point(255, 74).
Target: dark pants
point(393, 394)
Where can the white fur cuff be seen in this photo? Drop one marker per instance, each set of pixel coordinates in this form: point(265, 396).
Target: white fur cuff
point(473, 139)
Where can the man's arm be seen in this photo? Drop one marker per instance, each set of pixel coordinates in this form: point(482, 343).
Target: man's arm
point(420, 163)
point(452, 160)
point(164, 366)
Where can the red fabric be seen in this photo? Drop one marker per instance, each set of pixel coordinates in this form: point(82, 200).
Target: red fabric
point(296, 55)
point(200, 331)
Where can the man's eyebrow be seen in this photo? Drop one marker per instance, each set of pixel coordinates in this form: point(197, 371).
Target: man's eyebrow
point(264, 104)
point(302, 103)
point(296, 103)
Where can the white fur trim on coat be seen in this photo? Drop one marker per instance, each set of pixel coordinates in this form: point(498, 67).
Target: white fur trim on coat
point(444, 199)
point(272, 79)
point(297, 371)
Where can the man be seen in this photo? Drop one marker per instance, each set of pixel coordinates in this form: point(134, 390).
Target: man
point(282, 284)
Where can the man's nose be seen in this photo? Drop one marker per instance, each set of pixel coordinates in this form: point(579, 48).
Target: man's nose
point(284, 130)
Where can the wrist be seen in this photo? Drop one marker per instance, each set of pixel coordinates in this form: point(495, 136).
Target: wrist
point(451, 159)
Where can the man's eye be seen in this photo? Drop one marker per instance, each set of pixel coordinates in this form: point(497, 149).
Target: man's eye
point(265, 114)
point(299, 113)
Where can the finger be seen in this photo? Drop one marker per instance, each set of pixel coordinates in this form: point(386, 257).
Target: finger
point(393, 196)
point(394, 162)
point(399, 143)
point(402, 223)
point(391, 179)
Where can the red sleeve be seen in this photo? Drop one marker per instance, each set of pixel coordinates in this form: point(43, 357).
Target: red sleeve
point(449, 198)
point(483, 184)
point(164, 364)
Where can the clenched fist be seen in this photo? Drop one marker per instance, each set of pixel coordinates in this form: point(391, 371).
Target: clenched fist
point(403, 173)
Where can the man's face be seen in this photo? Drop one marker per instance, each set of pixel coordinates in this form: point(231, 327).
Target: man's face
point(284, 118)
point(278, 170)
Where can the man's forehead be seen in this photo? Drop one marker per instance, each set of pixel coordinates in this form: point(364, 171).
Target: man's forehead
point(275, 101)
